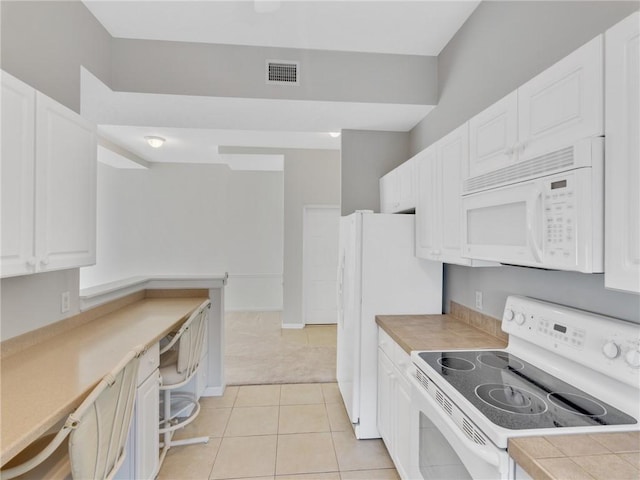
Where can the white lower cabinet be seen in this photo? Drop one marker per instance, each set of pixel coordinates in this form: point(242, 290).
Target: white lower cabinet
point(394, 401)
point(141, 462)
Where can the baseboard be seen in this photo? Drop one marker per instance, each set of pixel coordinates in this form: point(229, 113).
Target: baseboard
point(293, 326)
point(213, 391)
point(279, 309)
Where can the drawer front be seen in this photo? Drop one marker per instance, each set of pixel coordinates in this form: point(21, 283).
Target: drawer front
point(149, 362)
point(401, 359)
point(386, 343)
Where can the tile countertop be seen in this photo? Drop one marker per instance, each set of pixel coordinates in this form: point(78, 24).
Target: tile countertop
point(436, 332)
point(42, 384)
point(604, 456)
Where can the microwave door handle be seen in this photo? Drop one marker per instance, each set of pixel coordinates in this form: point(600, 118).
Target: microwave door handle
point(487, 455)
point(533, 225)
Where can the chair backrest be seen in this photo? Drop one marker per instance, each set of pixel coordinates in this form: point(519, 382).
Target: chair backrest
point(191, 337)
point(101, 423)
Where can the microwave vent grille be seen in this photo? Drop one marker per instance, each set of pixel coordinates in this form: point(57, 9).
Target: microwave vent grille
point(544, 164)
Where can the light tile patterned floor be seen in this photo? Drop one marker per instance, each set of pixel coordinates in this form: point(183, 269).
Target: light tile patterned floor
point(277, 432)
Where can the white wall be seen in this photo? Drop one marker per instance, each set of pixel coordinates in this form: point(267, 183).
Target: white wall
point(33, 301)
point(192, 219)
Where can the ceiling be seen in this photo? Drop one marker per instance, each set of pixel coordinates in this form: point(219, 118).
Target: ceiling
point(420, 27)
point(194, 132)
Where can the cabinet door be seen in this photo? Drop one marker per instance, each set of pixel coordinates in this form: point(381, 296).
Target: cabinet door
point(385, 404)
point(65, 185)
point(17, 171)
point(146, 428)
point(388, 192)
point(407, 185)
point(403, 427)
point(492, 135)
point(622, 205)
point(453, 151)
point(563, 103)
point(427, 208)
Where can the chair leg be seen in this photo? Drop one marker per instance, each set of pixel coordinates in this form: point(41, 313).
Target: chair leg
point(167, 441)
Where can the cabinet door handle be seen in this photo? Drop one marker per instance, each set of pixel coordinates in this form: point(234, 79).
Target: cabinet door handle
point(44, 261)
point(31, 262)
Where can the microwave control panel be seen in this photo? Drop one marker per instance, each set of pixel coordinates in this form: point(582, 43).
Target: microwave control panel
point(560, 218)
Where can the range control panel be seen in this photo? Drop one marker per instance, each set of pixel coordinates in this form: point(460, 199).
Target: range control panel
point(574, 337)
point(605, 344)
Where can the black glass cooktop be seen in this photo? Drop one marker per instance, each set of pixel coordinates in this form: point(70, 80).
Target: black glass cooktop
point(516, 395)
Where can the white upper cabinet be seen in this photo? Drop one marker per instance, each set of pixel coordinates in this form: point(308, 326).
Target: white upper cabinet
point(563, 103)
point(427, 209)
point(622, 153)
point(398, 189)
point(453, 151)
point(439, 208)
point(551, 111)
point(492, 137)
point(18, 163)
point(48, 183)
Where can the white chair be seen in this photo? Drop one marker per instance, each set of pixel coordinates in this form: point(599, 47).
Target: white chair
point(97, 432)
point(179, 362)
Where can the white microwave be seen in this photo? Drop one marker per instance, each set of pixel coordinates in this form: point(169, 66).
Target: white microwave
point(550, 215)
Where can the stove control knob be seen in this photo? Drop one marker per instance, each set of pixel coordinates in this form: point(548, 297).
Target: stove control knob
point(508, 315)
point(519, 318)
point(632, 357)
point(611, 349)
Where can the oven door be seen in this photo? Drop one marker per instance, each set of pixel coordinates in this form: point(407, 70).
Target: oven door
point(441, 450)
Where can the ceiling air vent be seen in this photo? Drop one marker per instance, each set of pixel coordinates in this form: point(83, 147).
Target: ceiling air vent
point(283, 73)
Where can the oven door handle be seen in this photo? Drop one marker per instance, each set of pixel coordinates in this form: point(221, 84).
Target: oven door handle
point(488, 456)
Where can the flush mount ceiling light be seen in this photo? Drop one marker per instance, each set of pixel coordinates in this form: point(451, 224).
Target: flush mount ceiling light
point(155, 142)
point(334, 134)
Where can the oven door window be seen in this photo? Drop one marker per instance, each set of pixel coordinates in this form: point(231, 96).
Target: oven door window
point(438, 460)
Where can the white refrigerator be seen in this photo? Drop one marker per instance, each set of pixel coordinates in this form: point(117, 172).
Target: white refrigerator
point(378, 274)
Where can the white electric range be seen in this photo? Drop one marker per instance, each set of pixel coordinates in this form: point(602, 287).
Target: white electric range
point(564, 371)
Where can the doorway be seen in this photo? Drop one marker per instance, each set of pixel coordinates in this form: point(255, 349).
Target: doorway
point(320, 263)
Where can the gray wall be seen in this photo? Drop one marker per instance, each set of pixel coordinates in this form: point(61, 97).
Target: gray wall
point(239, 71)
point(367, 156)
point(311, 177)
point(501, 46)
point(45, 43)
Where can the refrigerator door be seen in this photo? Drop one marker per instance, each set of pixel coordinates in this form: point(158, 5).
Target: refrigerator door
point(348, 341)
point(393, 282)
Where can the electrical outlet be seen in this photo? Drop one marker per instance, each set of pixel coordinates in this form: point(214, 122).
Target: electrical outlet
point(478, 299)
point(65, 302)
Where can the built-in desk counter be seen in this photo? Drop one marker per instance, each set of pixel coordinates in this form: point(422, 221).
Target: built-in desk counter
point(43, 383)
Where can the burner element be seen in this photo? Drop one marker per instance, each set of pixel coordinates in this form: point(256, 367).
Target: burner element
point(577, 404)
point(511, 399)
point(500, 361)
point(455, 363)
